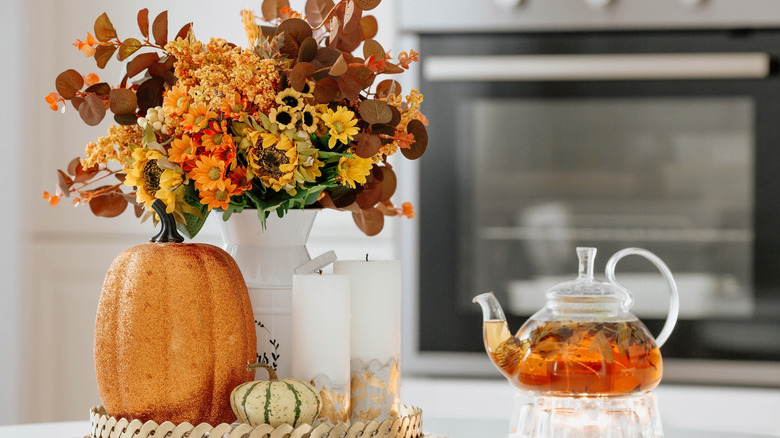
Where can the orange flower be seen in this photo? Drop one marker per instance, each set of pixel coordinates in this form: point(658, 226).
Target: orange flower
point(87, 47)
point(183, 149)
point(216, 135)
point(406, 210)
point(53, 99)
point(53, 199)
point(405, 59)
point(374, 65)
point(233, 106)
point(197, 117)
point(220, 195)
point(176, 100)
point(208, 173)
point(91, 79)
point(403, 140)
point(239, 178)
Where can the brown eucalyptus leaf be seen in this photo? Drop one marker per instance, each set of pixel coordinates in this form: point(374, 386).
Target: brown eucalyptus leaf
point(64, 182)
point(368, 27)
point(343, 197)
point(123, 101)
point(417, 149)
point(389, 183)
point(370, 196)
point(139, 210)
point(141, 62)
point(375, 111)
point(367, 5)
point(128, 47)
point(150, 94)
point(300, 74)
point(349, 11)
point(103, 54)
point(82, 174)
point(352, 23)
point(270, 8)
point(396, 119)
point(68, 83)
point(104, 29)
point(77, 101)
point(160, 29)
point(268, 31)
point(339, 67)
point(388, 87)
point(126, 119)
point(370, 221)
point(326, 57)
point(372, 47)
point(101, 89)
point(294, 29)
point(92, 110)
point(143, 22)
point(367, 145)
point(71, 169)
point(308, 50)
point(325, 90)
point(110, 204)
point(317, 10)
point(335, 25)
point(183, 32)
point(386, 132)
point(157, 70)
point(350, 85)
point(391, 68)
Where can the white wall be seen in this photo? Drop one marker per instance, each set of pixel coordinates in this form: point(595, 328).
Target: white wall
point(54, 260)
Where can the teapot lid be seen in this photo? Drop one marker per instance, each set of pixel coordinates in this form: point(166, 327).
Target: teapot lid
point(586, 289)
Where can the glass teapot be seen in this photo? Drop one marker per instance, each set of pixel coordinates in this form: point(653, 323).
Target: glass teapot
point(585, 340)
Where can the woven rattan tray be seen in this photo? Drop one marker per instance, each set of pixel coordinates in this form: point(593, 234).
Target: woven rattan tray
point(103, 426)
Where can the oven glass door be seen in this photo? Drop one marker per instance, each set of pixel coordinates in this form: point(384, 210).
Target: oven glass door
point(521, 170)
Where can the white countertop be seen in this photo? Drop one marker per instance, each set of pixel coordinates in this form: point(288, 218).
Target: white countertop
point(473, 408)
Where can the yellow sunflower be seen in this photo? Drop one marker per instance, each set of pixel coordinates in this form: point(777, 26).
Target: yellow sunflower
point(354, 170)
point(290, 98)
point(284, 116)
point(274, 160)
point(341, 125)
point(310, 118)
point(144, 174)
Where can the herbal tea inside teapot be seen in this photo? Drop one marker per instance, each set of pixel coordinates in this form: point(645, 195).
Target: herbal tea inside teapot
point(585, 340)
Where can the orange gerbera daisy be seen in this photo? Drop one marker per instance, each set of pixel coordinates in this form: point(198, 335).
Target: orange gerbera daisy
point(216, 135)
point(197, 117)
point(220, 195)
point(233, 105)
point(239, 178)
point(176, 100)
point(183, 149)
point(208, 173)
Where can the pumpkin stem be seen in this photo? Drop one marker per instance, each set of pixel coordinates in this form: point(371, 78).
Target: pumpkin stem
point(168, 232)
point(271, 373)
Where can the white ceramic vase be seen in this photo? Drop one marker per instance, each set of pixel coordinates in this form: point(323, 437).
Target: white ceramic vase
point(267, 259)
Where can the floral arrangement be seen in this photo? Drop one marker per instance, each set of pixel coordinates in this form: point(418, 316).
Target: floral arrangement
point(293, 120)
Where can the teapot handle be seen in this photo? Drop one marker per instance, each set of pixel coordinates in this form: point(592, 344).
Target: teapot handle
point(674, 299)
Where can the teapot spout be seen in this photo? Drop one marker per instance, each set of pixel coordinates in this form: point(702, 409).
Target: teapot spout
point(491, 308)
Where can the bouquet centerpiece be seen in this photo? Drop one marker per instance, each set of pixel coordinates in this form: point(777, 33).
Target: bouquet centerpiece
point(294, 120)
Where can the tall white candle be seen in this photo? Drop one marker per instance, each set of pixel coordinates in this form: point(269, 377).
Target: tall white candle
point(375, 303)
point(320, 339)
point(375, 346)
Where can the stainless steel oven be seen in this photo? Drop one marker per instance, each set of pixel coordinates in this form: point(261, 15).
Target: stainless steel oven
point(564, 123)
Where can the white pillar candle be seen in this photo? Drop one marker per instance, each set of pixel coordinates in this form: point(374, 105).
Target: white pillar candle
point(375, 345)
point(320, 339)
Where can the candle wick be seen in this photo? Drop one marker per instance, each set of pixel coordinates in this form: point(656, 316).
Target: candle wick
point(319, 271)
point(366, 257)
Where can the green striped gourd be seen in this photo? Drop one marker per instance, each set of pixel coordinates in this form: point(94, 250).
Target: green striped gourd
point(275, 402)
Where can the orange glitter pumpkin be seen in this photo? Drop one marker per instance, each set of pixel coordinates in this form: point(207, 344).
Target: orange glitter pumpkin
point(174, 332)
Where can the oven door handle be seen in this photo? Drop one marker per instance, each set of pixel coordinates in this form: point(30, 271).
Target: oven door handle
point(597, 67)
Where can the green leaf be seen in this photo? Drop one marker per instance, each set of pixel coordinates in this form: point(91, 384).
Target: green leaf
point(128, 47)
point(104, 29)
point(194, 213)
